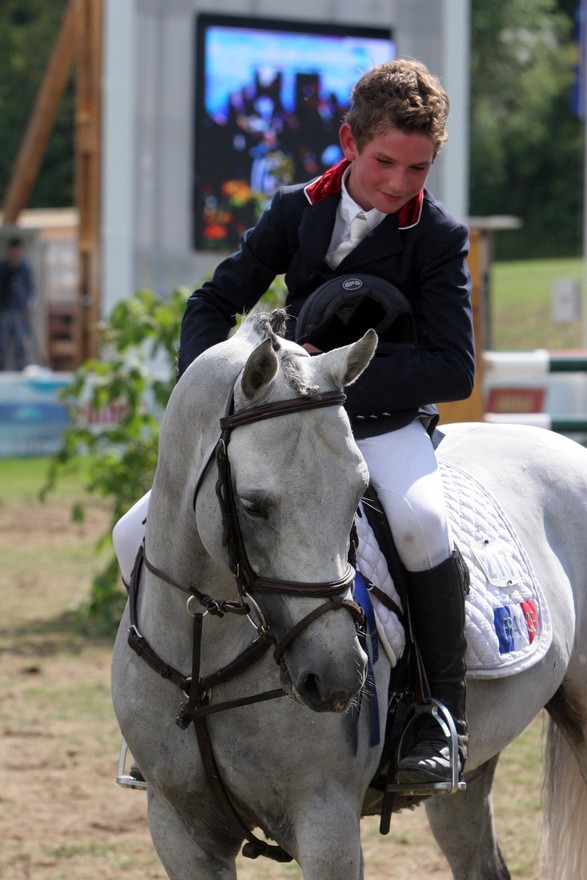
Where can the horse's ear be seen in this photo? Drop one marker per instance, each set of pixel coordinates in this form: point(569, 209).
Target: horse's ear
point(259, 370)
point(347, 363)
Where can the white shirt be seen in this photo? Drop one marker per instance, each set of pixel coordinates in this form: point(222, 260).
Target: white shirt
point(346, 213)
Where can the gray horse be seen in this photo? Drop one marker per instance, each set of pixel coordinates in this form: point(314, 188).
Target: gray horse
point(271, 500)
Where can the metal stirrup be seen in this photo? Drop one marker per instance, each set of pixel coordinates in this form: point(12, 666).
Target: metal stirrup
point(122, 777)
point(442, 716)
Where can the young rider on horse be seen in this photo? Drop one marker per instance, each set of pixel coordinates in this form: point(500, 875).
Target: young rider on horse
point(390, 137)
point(392, 133)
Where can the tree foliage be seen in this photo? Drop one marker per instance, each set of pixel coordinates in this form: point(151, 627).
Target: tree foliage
point(526, 143)
point(28, 30)
point(117, 403)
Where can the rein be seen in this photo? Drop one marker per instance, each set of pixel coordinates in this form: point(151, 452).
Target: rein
point(197, 689)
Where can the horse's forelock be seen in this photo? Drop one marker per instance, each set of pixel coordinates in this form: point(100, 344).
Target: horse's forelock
point(271, 325)
point(265, 325)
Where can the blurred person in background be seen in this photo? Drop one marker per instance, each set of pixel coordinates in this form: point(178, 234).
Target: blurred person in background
point(16, 294)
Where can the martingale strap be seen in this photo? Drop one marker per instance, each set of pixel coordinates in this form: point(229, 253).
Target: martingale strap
point(197, 696)
point(198, 690)
point(137, 641)
point(254, 847)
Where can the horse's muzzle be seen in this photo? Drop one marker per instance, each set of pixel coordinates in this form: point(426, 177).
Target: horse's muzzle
point(329, 689)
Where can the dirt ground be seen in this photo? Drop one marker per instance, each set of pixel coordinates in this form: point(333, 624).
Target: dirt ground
point(62, 817)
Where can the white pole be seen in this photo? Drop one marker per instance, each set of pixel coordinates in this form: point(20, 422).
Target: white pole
point(118, 173)
point(455, 69)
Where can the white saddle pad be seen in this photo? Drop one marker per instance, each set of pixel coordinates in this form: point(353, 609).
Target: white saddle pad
point(508, 625)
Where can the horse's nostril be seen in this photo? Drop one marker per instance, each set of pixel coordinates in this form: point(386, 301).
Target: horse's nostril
point(320, 699)
point(311, 689)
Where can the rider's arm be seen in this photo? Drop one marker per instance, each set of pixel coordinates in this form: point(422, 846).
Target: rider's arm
point(236, 286)
point(441, 367)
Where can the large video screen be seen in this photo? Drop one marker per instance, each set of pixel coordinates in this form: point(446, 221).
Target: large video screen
point(270, 98)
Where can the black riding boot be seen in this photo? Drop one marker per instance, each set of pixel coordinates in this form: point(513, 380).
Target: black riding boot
point(436, 598)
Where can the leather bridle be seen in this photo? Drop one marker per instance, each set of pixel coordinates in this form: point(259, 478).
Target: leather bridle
point(198, 689)
point(247, 580)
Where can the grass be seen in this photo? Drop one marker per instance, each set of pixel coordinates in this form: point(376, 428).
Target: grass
point(26, 476)
point(95, 850)
point(520, 306)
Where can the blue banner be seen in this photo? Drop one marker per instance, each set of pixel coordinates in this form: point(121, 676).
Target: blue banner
point(32, 418)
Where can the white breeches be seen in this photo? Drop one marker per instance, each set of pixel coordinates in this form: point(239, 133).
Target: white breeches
point(404, 471)
point(128, 534)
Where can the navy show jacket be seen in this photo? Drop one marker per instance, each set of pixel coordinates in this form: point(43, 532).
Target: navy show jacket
point(422, 250)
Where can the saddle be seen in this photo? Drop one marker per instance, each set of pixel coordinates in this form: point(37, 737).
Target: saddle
point(508, 625)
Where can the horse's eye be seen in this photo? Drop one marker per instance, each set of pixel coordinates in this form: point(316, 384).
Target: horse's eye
point(253, 508)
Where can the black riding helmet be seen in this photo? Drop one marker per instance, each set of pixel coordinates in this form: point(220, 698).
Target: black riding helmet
point(343, 309)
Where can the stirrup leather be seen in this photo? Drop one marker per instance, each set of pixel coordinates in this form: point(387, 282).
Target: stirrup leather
point(444, 719)
point(122, 777)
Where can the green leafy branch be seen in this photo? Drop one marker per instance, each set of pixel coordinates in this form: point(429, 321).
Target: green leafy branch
point(117, 403)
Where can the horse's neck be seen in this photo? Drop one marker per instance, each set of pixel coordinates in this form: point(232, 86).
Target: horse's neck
point(188, 436)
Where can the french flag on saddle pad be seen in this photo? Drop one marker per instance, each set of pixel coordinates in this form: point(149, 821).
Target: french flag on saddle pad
point(516, 625)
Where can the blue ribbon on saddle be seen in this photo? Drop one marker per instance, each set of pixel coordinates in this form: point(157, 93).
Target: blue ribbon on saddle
point(370, 644)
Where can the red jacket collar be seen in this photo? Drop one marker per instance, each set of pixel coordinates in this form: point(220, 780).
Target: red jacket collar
point(409, 215)
point(330, 184)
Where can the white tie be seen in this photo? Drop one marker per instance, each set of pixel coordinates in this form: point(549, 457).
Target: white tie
point(357, 232)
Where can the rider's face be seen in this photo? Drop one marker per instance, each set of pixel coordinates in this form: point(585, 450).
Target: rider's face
point(389, 170)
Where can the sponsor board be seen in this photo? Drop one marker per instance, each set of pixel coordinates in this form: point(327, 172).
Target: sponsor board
point(32, 417)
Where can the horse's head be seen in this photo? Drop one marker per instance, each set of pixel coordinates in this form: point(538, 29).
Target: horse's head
point(288, 497)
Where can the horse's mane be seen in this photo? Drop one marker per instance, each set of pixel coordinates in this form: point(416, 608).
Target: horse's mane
point(263, 325)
